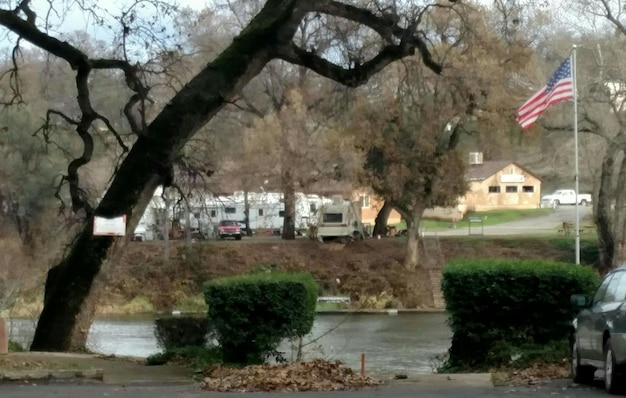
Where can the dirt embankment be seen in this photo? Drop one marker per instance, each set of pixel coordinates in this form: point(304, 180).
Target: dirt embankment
point(370, 272)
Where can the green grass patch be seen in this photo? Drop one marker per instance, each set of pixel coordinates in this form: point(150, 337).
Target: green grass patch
point(331, 306)
point(491, 217)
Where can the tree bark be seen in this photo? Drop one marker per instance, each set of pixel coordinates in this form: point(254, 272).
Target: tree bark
point(604, 221)
point(380, 224)
point(150, 159)
point(289, 196)
point(246, 213)
point(619, 215)
point(411, 258)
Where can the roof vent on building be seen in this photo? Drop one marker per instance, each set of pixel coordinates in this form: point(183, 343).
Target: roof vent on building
point(475, 158)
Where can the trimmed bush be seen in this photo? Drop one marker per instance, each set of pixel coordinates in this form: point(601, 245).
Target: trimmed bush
point(192, 356)
point(181, 331)
point(497, 303)
point(251, 314)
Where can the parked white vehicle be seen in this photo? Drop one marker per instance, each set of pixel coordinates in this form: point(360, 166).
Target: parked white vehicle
point(565, 197)
point(340, 219)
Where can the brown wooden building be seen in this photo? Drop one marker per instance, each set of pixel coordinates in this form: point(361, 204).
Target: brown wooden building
point(501, 185)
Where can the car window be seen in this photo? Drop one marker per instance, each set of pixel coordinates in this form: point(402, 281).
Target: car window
point(616, 291)
point(600, 293)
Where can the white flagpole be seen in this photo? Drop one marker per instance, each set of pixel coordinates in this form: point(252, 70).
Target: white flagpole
point(573, 61)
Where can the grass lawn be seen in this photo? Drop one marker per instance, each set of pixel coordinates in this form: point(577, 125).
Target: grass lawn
point(491, 217)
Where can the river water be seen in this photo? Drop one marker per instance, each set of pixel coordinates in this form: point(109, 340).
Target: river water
point(392, 344)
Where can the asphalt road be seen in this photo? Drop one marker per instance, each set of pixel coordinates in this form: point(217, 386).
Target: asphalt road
point(544, 224)
point(559, 388)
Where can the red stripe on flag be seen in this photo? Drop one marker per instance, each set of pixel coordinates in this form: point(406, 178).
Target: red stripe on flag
point(528, 113)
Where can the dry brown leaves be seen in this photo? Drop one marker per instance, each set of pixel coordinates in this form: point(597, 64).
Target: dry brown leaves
point(316, 375)
point(539, 373)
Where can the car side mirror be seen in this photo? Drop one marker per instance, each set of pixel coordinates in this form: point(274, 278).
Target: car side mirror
point(580, 301)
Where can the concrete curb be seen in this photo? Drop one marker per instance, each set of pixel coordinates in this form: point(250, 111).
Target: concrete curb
point(381, 311)
point(453, 380)
point(43, 374)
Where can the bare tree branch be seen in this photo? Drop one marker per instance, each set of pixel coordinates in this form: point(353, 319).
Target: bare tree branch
point(386, 26)
point(349, 77)
point(612, 18)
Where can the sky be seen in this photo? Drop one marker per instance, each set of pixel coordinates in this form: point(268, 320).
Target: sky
point(67, 16)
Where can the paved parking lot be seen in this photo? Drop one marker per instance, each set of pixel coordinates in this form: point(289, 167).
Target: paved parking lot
point(560, 388)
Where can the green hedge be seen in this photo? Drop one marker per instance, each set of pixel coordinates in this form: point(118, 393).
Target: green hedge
point(181, 331)
point(251, 314)
point(515, 303)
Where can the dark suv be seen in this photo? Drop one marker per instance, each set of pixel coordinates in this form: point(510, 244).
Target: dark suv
point(598, 340)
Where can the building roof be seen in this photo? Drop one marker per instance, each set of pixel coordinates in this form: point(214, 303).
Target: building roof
point(479, 172)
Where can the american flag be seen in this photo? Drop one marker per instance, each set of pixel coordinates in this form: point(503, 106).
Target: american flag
point(560, 88)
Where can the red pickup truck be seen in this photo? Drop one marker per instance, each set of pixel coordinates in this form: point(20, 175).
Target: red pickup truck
point(229, 229)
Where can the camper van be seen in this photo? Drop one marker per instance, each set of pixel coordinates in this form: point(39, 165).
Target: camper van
point(339, 220)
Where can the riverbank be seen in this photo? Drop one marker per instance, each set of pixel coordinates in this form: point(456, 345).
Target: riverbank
point(370, 272)
point(32, 310)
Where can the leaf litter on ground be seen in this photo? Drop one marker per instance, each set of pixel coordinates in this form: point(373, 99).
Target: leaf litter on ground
point(316, 375)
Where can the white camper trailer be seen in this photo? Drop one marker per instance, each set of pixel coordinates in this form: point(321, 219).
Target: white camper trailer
point(340, 219)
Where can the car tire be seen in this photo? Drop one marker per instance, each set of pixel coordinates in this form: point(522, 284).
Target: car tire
point(581, 374)
point(583, 202)
point(238, 237)
point(556, 203)
point(614, 382)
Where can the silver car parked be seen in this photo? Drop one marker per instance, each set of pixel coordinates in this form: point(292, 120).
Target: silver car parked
point(598, 340)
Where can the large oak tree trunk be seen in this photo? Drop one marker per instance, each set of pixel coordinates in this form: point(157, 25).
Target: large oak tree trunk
point(619, 215)
point(150, 159)
point(289, 196)
point(411, 258)
point(603, 213)
point(420, 282)
point(380, 224)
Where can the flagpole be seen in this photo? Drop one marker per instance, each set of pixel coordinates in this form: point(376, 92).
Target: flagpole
point(576, 153)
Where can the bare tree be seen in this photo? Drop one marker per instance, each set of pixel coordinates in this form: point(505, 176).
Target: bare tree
point(148, 163)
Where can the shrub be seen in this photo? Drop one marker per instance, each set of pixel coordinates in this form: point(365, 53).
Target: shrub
point(500, 303)
point(181, 331)
point(193, 356)
point(252, 313)
point(14, 346)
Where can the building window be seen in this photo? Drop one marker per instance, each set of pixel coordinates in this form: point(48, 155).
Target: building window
point(313, 207)
point(260, 212)
point(230, 210)
point(494, 189)
point(332, 218)
point(281, 213)
point(365, 201)
point(213, 213)
point(528, 188)
point(511, 189)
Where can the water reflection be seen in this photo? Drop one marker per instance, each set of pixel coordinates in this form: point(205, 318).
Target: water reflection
point(392, 344)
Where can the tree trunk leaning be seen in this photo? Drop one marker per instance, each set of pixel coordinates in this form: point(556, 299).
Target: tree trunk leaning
point(147, 164)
